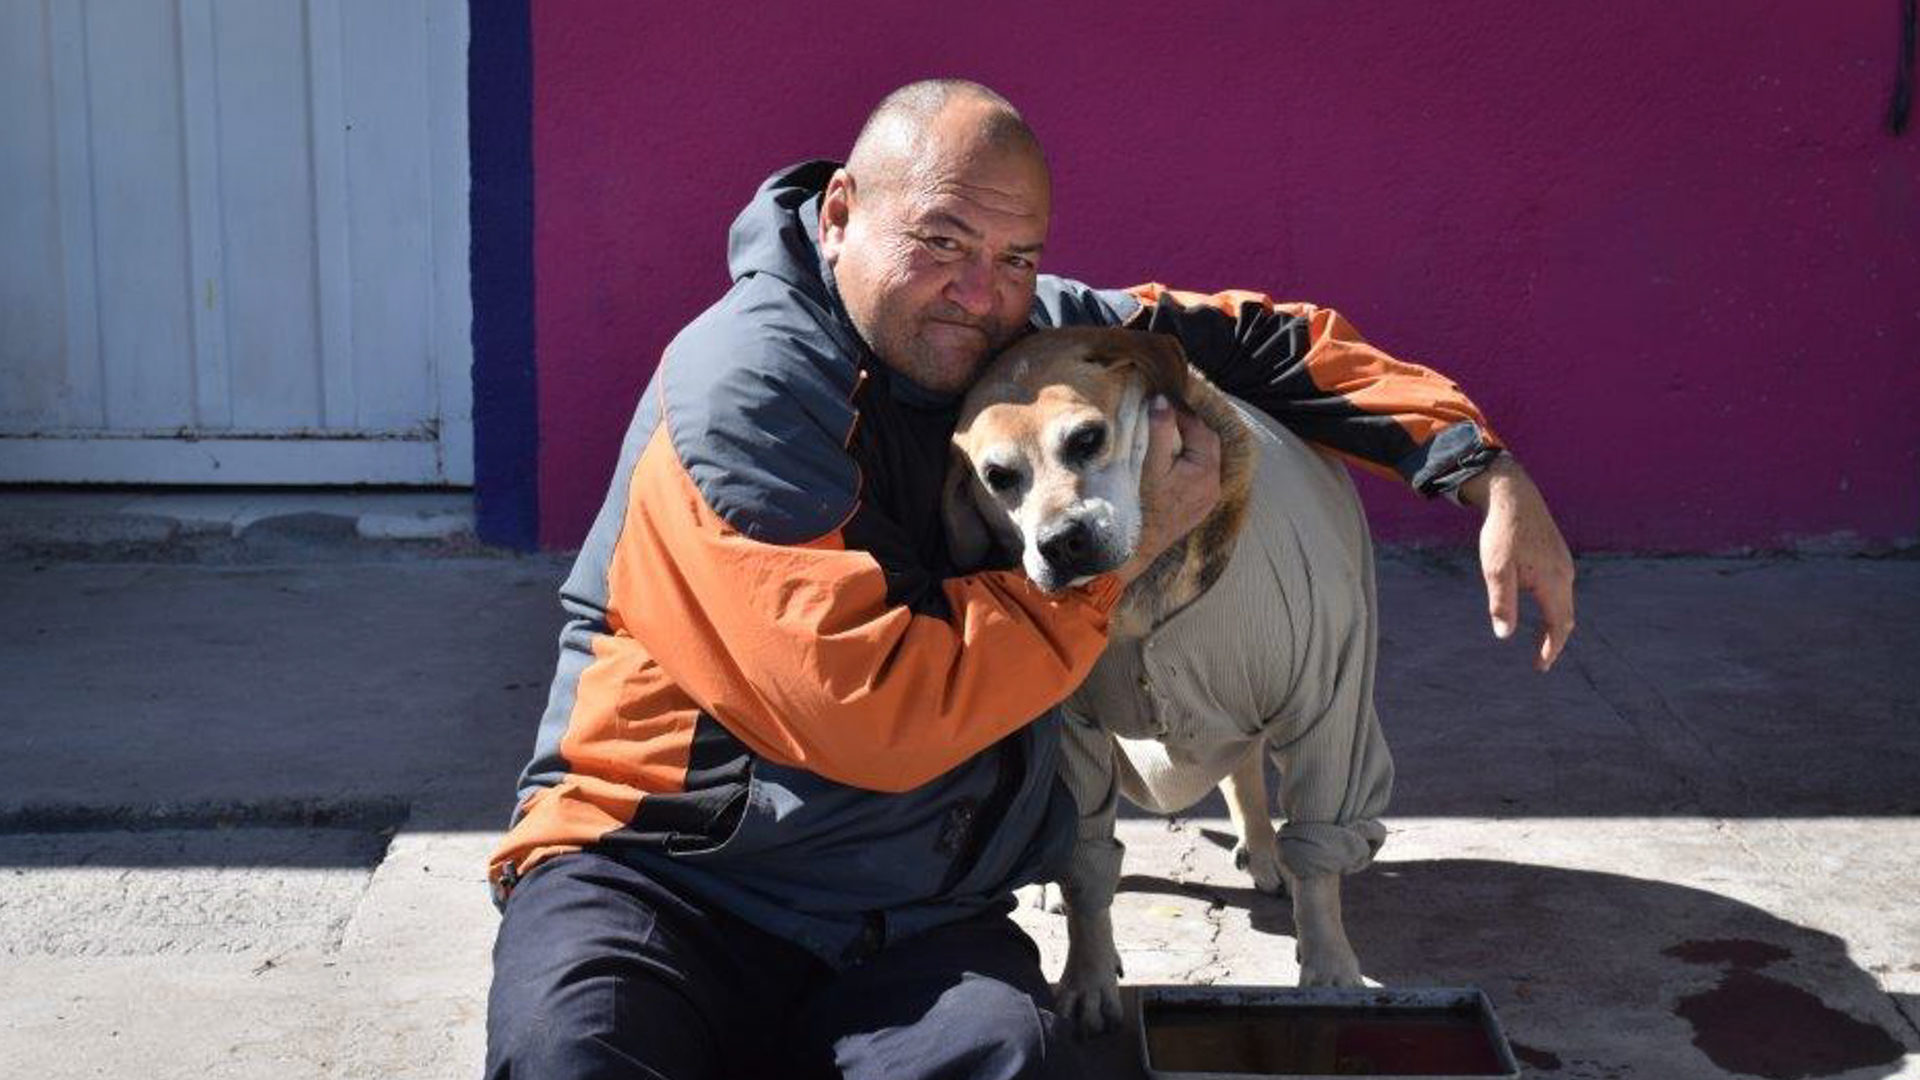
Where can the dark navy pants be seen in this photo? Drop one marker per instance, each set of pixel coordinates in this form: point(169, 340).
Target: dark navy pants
point(599, 971)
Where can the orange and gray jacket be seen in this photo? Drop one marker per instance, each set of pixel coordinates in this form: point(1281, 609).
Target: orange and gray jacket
point(775, 692)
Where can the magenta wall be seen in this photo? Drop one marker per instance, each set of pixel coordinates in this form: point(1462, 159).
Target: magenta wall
point(1668, 247)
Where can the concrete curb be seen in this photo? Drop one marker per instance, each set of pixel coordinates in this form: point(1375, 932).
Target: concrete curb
point(237, 526)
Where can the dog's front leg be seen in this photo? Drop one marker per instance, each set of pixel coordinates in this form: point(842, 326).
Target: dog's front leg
point(1258, 852)
point(1326, 957)
point(1089, 991)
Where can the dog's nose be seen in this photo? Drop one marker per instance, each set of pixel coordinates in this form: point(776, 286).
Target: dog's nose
point(1067, 546)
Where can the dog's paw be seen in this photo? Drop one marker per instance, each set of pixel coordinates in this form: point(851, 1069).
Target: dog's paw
point(1327, 963)
point(1263, 866)
point(1092, 1006)
point(1089, 992)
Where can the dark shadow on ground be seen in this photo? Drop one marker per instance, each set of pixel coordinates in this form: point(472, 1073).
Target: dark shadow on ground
point(131, 692)
point(1609, 975)
point(247, 848)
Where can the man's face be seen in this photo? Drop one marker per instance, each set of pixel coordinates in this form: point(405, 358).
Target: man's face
point(937, 269)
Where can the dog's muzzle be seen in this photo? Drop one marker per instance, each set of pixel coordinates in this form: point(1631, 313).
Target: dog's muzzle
point(1071, 550)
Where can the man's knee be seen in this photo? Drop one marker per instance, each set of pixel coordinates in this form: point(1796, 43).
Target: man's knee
point(965, 1000)
point(980, 1028)
point(538, 1042)
point(597, 1027)
point(585, 984)
point(546, 1022)
point(997, 1021)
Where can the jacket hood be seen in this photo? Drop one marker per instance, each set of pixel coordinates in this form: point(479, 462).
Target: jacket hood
point(775, 233)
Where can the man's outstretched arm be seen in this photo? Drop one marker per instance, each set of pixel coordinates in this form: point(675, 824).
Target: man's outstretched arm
point(1308, 367)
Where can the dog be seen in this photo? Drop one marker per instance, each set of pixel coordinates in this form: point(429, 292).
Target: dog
point(1252, 636)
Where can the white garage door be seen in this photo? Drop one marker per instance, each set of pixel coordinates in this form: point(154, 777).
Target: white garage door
point(233, 242)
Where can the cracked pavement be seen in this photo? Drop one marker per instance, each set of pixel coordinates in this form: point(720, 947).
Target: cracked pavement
point(244, 808)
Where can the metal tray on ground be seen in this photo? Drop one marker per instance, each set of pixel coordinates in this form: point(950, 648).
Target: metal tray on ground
point(1296, 1033)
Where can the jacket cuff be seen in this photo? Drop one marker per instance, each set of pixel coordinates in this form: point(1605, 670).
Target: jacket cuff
point(1456, 455)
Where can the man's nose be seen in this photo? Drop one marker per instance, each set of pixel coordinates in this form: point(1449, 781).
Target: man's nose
point(971, 288)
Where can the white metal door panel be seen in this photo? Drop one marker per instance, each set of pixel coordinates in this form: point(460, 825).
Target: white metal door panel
point(260, 179)
point(32, 332)
point(233, 241)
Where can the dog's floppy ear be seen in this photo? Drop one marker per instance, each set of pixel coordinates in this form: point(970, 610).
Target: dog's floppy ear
point(1159, 359)
point(968, 541)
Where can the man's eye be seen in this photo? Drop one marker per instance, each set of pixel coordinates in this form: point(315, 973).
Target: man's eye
point(1019, 262)
point(942, 243)
point(999, 479)
point(1084, 444)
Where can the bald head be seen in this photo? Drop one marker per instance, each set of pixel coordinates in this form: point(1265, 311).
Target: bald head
point(933, 125)
point(934, 229)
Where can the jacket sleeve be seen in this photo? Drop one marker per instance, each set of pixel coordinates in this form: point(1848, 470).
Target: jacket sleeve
point(797, 650)
point(1309, 368)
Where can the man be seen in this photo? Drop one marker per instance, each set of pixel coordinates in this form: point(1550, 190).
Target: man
point(792, 766)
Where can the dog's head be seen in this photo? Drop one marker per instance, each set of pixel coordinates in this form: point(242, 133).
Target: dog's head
point(1049, 449)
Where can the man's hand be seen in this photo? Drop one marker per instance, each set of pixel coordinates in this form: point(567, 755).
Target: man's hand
point(1521, 548)
point(1179, 485)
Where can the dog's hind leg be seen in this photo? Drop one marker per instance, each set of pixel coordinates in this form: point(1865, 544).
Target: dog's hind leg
point(1320, 934)
point(1258, 850)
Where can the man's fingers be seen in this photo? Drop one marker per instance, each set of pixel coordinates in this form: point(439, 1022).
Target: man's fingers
point(1521, 548)
point(1199, 444)
point(1179, 485)
point(1163, 439)
point(1555, 597)
point(1193, 476)
point(1552, 640)
point(1503, 598)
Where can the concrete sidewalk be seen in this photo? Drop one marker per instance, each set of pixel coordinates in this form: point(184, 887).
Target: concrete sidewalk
point(244, 810)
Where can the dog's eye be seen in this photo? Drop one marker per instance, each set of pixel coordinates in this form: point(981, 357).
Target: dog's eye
point(1085, 444)
point(999, 479)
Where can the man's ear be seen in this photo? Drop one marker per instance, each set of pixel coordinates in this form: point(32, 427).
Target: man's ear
point(836, 204)
point(967, 538)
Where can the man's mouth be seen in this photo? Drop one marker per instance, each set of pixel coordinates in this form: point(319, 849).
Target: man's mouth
point(950, 324)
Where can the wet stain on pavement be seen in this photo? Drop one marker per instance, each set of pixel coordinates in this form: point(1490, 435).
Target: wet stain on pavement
point(1543, 1060)
point(1752, 1023)
point(1751, 955)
